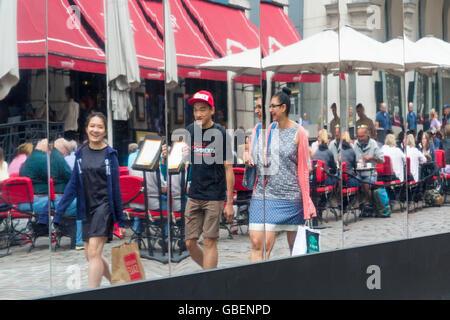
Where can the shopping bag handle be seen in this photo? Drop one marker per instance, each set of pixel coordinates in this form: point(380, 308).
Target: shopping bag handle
point(308, 223)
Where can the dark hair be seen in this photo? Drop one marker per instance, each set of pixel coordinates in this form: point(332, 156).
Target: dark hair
point(2, 155)
point(283, 98)
point(400, 137)
point(419, 136)
point(96, 114)
point(359, 105)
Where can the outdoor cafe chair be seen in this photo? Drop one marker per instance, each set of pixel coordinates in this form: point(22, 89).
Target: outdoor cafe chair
point(241, 201)
point(349, 195)
point(17, 192)
point(320, 192)
point(386, 178)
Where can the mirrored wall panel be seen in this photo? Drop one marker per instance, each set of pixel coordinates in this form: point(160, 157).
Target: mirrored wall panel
point(426, 31)
point(213, 107)
point(107, 62)
point(143, 139)
point(371, 67)
point(302, 99)
point(24, 151)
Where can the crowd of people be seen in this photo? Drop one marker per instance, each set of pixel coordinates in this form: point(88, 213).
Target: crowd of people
point(373, 141)
point(86, 177)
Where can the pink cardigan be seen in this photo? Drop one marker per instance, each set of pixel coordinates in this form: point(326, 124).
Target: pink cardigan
point(309, 209)
point(16, 163)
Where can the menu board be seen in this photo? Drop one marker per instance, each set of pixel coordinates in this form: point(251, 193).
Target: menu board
point(176, 161)
point(149, 153)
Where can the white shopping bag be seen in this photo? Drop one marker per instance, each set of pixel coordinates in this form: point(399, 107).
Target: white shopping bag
point(306, 241)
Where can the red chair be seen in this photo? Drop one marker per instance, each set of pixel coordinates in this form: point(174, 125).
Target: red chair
point(133, 200)
point(386, 178)
point(124, 171)
point(349, 194)
point(17, 192)
point(441, 162)
point(321, 193)
point(241, 199)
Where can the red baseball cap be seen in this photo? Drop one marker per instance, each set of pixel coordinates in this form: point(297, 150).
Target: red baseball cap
point(202, 96)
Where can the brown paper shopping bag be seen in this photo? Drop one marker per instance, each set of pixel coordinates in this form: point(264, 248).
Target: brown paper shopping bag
point(126, 264)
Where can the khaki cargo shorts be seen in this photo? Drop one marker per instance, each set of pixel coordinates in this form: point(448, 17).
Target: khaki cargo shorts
point(203, 217)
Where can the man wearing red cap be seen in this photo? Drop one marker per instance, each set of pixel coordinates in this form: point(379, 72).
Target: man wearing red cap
point(212, 181)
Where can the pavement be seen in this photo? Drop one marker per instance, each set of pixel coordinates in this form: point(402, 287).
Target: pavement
point(44, 272)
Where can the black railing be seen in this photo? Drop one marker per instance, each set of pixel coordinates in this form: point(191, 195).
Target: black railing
point(14, 134)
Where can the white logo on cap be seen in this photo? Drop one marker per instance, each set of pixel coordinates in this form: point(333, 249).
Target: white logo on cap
point(201, 96)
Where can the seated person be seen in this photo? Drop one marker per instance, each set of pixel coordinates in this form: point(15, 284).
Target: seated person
point(426, 146)
point(60, 172)
point(324, 154)
point(176, 191)
point(367, 151)
point(23, 152)
point(398, 159)
point(35, 168)
point(445, 145)
point(153, 193)
point(416, 157)
point(334, 145)
point(349, 157)
point(133, 151)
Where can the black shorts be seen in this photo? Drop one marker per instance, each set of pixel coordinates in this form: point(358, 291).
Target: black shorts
point(99, 223)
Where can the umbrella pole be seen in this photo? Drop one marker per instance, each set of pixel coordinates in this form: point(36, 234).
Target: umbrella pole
point(108, 91)
point(230, 100)
point(322, 100)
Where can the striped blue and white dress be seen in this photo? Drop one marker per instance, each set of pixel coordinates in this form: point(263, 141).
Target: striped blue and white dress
point(283, 197)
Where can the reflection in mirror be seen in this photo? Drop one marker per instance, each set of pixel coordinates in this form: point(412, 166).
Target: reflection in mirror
point(107, 58)
point(24, 244)
point(427, 84)
point(373, 180)
point(296, 60)
point(218, 87)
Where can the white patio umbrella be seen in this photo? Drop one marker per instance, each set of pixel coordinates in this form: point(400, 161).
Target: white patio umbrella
point(9, 61)
point(245, 62)
point(361, 52)
point(248, 62)
point(439, 50)
point(417, 56)
point(121, 61)
point(329, 52)
point(170, 52)
point(320, 54)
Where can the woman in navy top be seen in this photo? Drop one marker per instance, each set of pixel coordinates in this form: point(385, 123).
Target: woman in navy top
point(95, 184)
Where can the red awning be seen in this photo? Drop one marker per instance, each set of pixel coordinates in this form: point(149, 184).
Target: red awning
point(76, 37)
point(278, 31)
point(31, 34)
point(148, 27)
point(205, 31)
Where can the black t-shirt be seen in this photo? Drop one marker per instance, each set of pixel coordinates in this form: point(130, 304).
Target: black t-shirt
point(94, 177)
point(209, 150)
